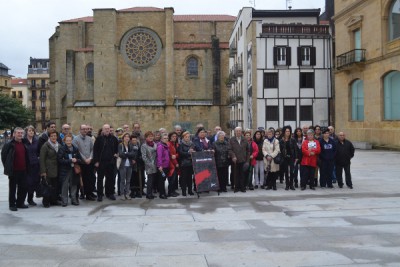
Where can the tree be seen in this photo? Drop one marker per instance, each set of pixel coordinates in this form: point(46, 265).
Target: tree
point(13, 113)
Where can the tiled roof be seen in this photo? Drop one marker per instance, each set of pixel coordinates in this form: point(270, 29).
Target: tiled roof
point(142, 9)
point(198, 45)
point(204, 18)
point(84, 49)
point(19, 82)
point(84, 19)
point(2, 66)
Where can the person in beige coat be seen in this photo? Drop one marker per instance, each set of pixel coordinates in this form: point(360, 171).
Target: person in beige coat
point(271, 150)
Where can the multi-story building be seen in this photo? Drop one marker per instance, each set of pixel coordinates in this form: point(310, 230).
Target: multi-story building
point(280, 69)
point(39, 90)
point(140, 64)
point(19, 90)
point(367, 77)
point(5, 80)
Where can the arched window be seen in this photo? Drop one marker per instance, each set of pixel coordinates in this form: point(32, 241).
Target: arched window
point(90, 72)
point(391, 87)
point(192, 67)
point(394, 20)
point(357, 100)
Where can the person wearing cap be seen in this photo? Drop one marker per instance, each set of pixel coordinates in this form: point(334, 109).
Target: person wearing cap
point(310, 150)
point(327, 158)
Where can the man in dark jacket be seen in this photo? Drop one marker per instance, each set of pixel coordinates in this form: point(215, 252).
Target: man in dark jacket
point(15, 160)
point(344, 153)
point(327, 157)
point(240, 153)
point(45, 136)
point(105, 152)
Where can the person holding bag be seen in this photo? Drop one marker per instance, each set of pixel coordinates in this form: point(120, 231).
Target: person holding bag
point(126, 157)
point(270, 150)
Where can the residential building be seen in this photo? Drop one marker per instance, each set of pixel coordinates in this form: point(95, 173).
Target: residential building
point(367, 77)
point(5, 79)
point(39, 90)
point(20, 90)
point(280, 69)
point(141, 64)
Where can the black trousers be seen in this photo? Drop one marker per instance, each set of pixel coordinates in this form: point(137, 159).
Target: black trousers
point(271, 179)
point(150, 181)
point(172, 185)
point(326, 170)
point(186, 179)
point(287, 171)
point(161, 181)
point(33, 179)
point(53, 182)
point(339, 174)
point(307, 175)
point(240, 178)
point(88, 178)
point(17, 185)
point(107, 171)
point(222, 173)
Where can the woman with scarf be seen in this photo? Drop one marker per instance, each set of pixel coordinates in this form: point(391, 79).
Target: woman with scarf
point(252, 161)
point(162, 164)
point(298, 137)
point(259, 166)
point(289, 155)
point(68, 156)
point(185, 150)
point(128, 157)
point(49, 167)
point(33, 175)
point(222, 150)
point(149, 153)
point(173, 164)
point(270, 150)
point(310, 149)
point(201, 142)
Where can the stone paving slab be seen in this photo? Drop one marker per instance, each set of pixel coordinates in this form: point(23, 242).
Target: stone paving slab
point(338, 227)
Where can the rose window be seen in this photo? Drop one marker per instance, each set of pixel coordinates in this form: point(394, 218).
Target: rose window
point(141, 47)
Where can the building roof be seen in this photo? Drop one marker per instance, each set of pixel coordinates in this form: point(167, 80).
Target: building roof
point(19, 81)
point(184, 18)
point(204, 18)
point(2, 66)
point(141, 9)
point(287, 13)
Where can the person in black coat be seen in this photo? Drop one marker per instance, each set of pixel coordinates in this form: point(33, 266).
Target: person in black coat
point(33, 175)
point(289, 149)
point(222, 150)
point(185, 150)
point(344, 154)
point(327, 159)
point(14, 157)
point(68, 156)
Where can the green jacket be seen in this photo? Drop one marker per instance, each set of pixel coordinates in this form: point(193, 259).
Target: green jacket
point(48, 160)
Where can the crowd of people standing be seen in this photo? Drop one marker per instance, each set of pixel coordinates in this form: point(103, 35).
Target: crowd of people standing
point(132, 164)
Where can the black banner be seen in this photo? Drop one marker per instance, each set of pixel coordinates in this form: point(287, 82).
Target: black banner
point(205, 171)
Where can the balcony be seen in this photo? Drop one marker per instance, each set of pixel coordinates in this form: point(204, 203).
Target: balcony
point(234, 123)
point(42, 108)
point(288, 29)
point(42, 97)
point(233, 100)
point(33, 97)
point(239, 70)
point(349, 59)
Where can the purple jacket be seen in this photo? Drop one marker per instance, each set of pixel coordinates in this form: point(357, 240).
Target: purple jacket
point(162, 155)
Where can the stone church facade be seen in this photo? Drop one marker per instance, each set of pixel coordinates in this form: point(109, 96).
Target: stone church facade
point(143, 65)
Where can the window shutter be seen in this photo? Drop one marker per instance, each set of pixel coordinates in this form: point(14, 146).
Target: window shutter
point(313, 57)
point(288, 56)
point(275, 56)
point(299, 56)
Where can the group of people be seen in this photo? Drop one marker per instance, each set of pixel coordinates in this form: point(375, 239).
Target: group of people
point(89, 167)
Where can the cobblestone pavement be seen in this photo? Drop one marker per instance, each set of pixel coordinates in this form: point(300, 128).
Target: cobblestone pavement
point(326, 227)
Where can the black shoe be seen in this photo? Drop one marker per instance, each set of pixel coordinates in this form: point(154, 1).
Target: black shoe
point(81, 197)
point(350, 186)
point(262, 187)
point(191, 193)
point(303, 188)
point(63, 204)
point(340, 186)
point(13, 208)
point(75, 203)
point(274, 188)
point(256, 187)
point(281, 181)
point(224, 190)
point(333, 181)
point(150, 197)
point(99, 198)
point(243, 191)
point(184, 194)
point(93, 195)
point(32, 203)
point(251, 188)
point(235, 191)
point(287, 188)
point(312, 187)
point(268, 188)
point(23, 206)
point(330, 186)
point(111, 197)
point(163, 197)
point(292, 187)
point(90, 198)
point(296, 185)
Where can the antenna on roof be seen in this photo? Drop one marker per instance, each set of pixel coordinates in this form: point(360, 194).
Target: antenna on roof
point(289, 4)
point(253, 3)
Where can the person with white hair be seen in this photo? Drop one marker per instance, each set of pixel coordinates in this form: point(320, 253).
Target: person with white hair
point(240, 154)
point(222, 150)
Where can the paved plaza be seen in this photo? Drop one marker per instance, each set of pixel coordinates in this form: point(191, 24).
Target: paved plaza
point(326, 227)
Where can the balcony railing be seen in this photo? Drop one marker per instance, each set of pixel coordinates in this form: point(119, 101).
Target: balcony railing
point(232, 50)
point(232, 100)
point(42, 97)
point(289, 29)
point(239, 70)
point(356, 56)
point(33, 97)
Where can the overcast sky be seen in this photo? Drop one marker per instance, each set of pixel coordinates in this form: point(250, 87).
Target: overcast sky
point(27, 24)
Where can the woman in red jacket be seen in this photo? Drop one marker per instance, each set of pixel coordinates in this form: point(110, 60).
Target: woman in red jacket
point(173, 164)
point(252, 161)
point(310, 149)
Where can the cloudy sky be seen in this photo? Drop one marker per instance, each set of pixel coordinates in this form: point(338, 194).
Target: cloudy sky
point(28, 24)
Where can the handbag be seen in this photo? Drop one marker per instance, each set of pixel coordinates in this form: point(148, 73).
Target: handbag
point(44, 188)
point(278, 158)
point(77, 169)
point(119, 160)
